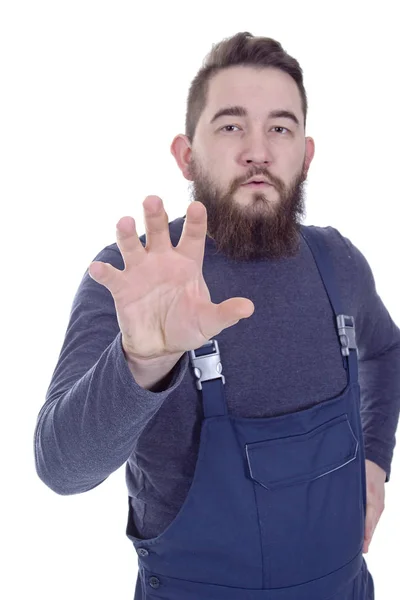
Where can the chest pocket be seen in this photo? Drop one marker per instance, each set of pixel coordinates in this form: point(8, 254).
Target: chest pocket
point(309, 503)
point(305, 457)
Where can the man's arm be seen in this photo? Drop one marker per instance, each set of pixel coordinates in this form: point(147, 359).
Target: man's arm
point(378, 341)
point(94, 411)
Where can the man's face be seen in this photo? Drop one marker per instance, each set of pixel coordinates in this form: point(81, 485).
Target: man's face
point(256, 221)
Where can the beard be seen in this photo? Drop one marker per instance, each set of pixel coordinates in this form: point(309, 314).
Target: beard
point(256, 224)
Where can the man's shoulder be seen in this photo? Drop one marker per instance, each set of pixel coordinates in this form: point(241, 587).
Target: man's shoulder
point(346, 256)
point(339, 245)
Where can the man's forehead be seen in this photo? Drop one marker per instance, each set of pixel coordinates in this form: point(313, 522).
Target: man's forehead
point(240, 86)
point(240, 76)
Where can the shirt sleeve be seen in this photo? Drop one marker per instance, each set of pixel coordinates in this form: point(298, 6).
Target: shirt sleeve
point(94, 411)
point(378, 341)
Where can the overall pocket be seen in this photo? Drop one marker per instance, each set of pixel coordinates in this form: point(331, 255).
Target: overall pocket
point(308, 491)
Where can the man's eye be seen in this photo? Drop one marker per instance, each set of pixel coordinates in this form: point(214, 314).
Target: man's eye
point(225, 126)
point(280, 127)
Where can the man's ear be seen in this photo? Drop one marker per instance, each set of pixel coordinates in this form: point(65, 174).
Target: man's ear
point(181, 149)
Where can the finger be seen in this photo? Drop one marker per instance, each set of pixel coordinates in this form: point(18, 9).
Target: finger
point(213, 318)
point(194, 232)
point(106, 275)
point(132, 252)
point(370, 524)
point(156, 224)
point(128, 242)
point(368, 527)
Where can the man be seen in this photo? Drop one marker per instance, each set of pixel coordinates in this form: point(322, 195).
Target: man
point(265, 479)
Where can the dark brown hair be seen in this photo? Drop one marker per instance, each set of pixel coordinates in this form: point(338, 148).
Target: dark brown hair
point(240, 49)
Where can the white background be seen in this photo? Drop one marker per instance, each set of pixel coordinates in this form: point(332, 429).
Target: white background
point(92, 94)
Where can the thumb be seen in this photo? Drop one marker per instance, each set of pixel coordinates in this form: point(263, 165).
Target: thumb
point(233, 310)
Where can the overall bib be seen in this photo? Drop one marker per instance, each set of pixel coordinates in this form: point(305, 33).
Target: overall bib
point(276, 509)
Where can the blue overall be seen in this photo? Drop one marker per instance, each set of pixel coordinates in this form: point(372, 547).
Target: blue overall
point(276, 509)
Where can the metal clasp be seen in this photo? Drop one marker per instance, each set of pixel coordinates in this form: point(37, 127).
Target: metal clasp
point(347, 333)
point(207, 366)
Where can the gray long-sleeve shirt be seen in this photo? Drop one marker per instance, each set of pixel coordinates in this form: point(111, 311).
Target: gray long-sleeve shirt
point(283, 358)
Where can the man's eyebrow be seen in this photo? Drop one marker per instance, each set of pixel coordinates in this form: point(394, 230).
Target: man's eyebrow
point(240, 111)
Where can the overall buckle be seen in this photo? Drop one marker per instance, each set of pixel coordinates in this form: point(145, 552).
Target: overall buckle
point(347, 333)
point(207, 366)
